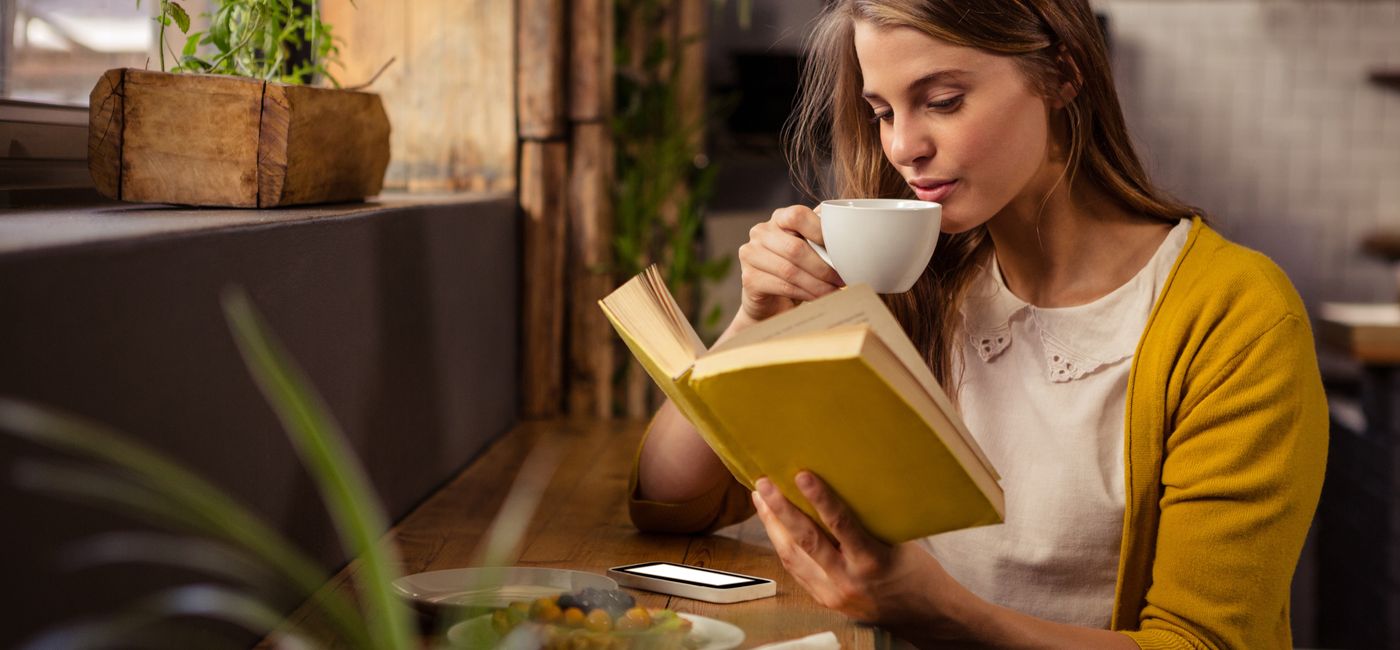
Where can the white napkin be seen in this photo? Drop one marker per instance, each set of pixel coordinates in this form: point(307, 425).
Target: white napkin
point(820, 641)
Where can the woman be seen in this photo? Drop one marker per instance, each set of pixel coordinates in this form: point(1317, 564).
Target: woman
point(1147, 390)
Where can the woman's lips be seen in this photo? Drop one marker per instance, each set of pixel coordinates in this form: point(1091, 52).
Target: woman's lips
point(933, 191)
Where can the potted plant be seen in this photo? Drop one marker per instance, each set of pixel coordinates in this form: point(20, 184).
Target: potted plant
point(234, 122)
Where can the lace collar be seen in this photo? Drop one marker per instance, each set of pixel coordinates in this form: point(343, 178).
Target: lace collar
point(1077, 340)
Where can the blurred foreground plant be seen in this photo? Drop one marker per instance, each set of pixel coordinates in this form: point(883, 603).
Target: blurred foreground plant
point(222, 538)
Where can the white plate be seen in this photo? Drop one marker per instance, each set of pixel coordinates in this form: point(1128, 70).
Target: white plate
point(507, 584)
point(717, 635)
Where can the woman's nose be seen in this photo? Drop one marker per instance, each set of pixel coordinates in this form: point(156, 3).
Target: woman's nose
point(910, 142)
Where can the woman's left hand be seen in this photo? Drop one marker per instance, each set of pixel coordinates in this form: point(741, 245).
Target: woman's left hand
point(854, 573)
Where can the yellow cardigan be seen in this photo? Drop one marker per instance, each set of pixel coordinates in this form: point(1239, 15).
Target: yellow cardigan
point(1225, 445)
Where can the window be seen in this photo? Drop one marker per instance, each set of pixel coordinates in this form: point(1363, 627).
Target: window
point(52, 52)
point(55, 50)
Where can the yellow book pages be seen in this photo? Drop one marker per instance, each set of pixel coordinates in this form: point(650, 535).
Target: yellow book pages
point(821, 404)
point(680, 392)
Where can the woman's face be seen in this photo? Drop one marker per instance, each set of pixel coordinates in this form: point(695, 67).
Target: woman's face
point(965, 128)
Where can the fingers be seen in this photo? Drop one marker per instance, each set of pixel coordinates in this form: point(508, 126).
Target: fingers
point(798, 253)
point(799, 220)
point(803, 532)
point(778, 268)
point(837, 517)
point(807, 271)
point(798, 564)
point(758, 285)
point(804, 223)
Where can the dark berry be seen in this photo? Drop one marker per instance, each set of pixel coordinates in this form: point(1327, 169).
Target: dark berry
point(612, 601)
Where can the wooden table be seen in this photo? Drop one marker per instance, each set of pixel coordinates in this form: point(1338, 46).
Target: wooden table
point(582, 524)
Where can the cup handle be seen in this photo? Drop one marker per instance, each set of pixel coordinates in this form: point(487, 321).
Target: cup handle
point(821, 251)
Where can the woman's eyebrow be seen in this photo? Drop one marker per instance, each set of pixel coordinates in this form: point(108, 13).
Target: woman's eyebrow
point(917, 84)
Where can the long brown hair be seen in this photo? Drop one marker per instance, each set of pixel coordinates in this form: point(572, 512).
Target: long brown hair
point(834, 148)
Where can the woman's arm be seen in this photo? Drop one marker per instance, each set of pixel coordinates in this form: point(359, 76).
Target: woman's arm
point(675, 464)
point(1243, 469)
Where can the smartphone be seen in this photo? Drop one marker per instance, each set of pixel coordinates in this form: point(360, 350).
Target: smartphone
point(694, 582)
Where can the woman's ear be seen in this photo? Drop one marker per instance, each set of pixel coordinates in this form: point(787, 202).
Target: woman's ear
point(1071, 79)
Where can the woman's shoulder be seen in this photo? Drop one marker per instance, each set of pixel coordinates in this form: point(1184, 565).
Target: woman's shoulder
point(1218, 279)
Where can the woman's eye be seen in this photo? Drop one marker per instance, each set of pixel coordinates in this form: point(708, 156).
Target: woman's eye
point(882, 116)
point(946, 105)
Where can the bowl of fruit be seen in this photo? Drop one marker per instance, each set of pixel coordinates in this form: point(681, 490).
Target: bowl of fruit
point(462, 593)
point(592, 619)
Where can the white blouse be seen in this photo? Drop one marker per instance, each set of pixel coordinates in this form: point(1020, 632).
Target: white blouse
point(1043, 392)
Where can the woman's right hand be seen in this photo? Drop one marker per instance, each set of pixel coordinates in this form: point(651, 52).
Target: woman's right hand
point(778, 269)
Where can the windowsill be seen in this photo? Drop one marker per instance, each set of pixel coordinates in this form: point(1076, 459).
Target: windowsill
point(25, 230)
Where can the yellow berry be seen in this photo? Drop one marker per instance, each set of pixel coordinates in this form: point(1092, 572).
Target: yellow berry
point(599, 621)
point(573, 617)
point(545, 610)
point(636, 618)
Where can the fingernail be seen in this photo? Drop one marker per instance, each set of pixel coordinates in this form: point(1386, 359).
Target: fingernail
point(765, 486)
point(760, 505)
point(805, 480)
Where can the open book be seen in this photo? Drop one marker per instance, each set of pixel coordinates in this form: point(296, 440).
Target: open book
point(833, 386)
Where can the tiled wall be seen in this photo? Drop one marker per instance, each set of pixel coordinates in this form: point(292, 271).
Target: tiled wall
point(1260, 112)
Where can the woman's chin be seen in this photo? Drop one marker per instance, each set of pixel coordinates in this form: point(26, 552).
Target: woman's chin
point(955, 226)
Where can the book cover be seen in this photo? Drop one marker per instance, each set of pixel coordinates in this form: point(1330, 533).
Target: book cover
point(833, 386)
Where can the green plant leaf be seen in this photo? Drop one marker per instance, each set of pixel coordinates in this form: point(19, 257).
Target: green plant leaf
point(205, 601)
point(194, 63)
point(182, 19)
point(219, 28)
point(712, 319)
point(346, 490)
point(159, 490)
point(198, 554)
point(191, 46)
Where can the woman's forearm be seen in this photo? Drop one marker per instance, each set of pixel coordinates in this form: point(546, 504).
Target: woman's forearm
point(676, 464)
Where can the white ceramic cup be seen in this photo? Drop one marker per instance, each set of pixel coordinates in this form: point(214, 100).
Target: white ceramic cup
point(885, 243)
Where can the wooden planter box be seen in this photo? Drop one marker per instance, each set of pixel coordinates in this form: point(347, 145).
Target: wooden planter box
point(213, 140)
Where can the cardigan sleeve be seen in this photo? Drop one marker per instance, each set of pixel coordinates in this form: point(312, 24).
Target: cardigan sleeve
point(1241, 477)
point(727, 503)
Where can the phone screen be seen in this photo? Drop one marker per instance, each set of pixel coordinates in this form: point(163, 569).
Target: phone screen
point(691, 575)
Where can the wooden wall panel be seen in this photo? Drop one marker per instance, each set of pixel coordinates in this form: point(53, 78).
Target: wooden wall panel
point(541, 51)
point(544, 182)
point(690, 72)
point(592, 343)
point(450, 93)
point(590, 60)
